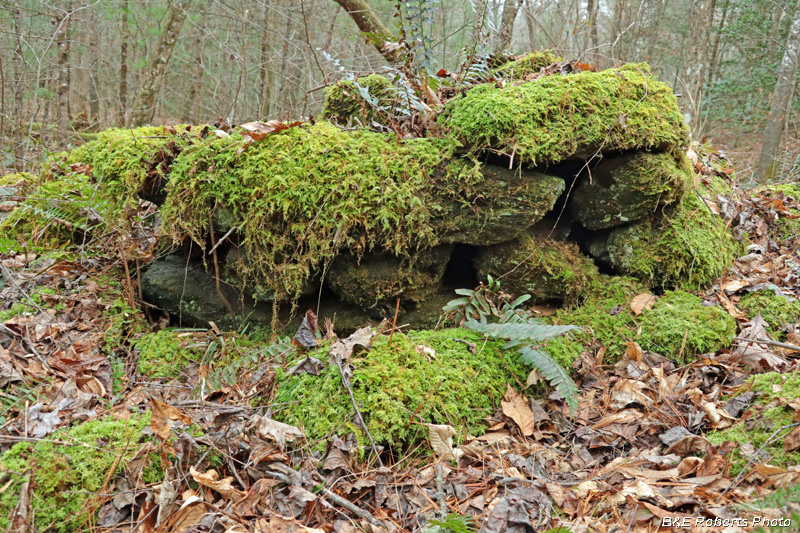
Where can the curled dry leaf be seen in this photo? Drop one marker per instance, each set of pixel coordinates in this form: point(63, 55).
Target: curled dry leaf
point(163, 415)
point(441, 437)
point(269, 429)
point(211, 480)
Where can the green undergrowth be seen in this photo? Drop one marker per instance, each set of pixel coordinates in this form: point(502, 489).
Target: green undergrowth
point(776, 310)
point(64, 479)
point(555, 117)
point(530, 63)
point(164, 354)
point(38, 296)
point(687, 248)
point(390, 383)
point(769, 413)
point(55, 214)
point(609, 322)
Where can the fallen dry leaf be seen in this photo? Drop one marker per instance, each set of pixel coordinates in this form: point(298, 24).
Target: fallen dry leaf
point(517, 408)
point(642, 302)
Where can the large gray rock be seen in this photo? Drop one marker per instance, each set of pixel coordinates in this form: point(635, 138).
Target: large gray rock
point(627, 188)
point(499, 208)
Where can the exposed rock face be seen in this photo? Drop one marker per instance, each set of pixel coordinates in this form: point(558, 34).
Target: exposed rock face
point(627, 188)
point(504, 204)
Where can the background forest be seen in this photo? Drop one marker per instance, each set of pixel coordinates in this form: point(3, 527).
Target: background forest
point(80, 66)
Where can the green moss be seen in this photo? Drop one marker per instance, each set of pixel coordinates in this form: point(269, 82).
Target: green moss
point(301, 195)
point(7, 180)
point(164, 354)
point(344, 101)
point(609, 322)
point(38, 295)
point(530, 63)
point(629, 188)
point(392, 382)
point(764, 417)
point(776, 310)
point(64, 478)
point(545, 269)
point(55, 213)
point(556, 117)
point(679, 315)
point(605, 316)
point(784, 228)
point(689, 248)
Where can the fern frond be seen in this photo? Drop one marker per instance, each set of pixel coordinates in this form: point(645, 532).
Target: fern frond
point(552, 371)
point(456, 523)
point(520, 331)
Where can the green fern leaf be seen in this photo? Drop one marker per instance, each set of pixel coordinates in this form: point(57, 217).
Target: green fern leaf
point(520, 331)
point(552, 371)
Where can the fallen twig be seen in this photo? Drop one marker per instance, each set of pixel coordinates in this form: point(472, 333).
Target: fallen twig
point(350, 506)
point(771, 343)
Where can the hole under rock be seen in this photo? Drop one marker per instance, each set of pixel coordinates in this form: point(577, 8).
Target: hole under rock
point(460, 272)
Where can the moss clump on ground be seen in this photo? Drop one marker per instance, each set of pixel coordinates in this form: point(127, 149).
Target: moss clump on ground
point(369, 99)
point(608, 320)
point(605, 316)
point(688, 249)
point(392, 382)
point(545, 269)
point(64, 478)
point(628, 188)
point(762, 419)
point(164, 354)
point(679, 315)
point(530, 63)
point(382, 278)
point(556, 117)
point(776, 310)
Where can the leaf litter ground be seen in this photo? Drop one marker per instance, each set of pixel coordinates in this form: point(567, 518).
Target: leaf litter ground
point(716, 438)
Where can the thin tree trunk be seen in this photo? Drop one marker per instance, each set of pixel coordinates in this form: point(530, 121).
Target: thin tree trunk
point(94, 99)
point(510, 9)
point(145, 102)
point(591, 7)
point(197, 71)
point(265, 73)
point(695, 63)
point(123, 66)
point(714, 61)
point(18, 89)
point(781, 103)
point(62, 44)
point(368, 22)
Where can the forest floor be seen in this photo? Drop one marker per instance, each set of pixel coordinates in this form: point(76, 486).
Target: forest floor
point(713, 443)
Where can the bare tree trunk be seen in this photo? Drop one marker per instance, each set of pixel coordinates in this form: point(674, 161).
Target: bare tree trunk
point(123, 66)
point(695, 63)
point(265, 73)
point(144, 103)
point(616, 28)
point(781, 103)
point(368, 22)
point(18, 89)
point(591, 7)
point(714, 60)
point(94, 98)
point(62, 44)
point(197, 71)
point(510, 9)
